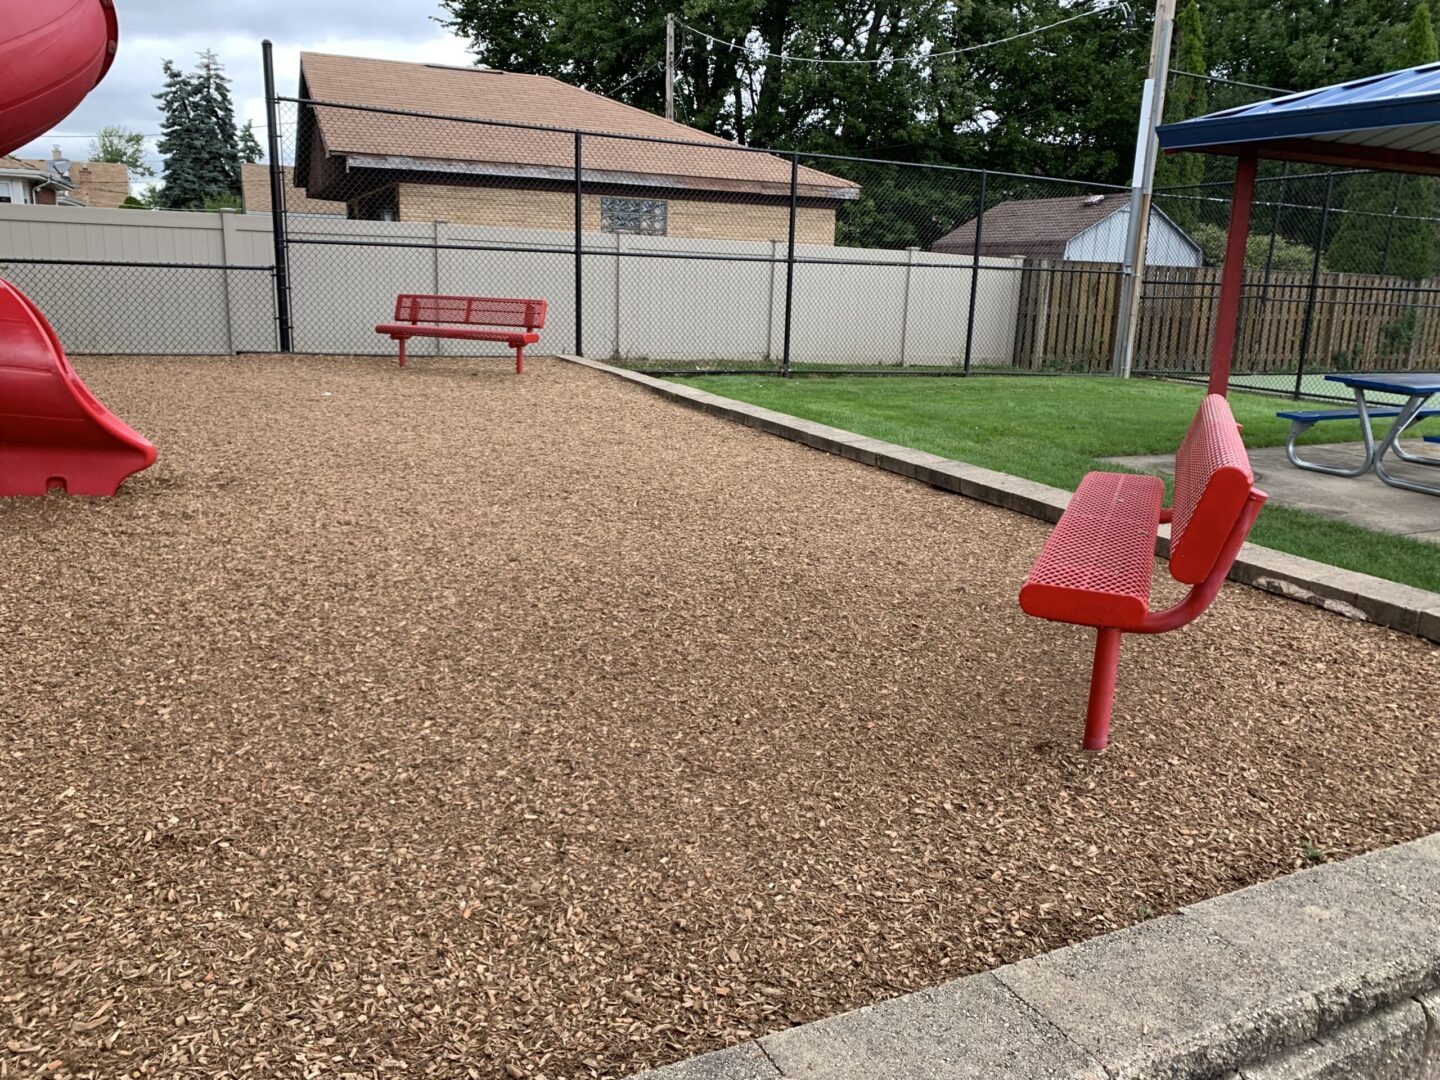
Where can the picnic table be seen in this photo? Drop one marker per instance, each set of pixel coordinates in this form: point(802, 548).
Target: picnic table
point(1416, 388)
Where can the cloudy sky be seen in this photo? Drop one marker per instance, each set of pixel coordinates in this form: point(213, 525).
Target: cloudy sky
point(179, 29)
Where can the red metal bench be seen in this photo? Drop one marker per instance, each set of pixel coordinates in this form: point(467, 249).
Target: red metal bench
point(474, 318)
point(1095, 568)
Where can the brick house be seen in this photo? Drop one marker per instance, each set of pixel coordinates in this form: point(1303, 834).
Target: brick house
point(405, 168)
point(255, 193)
point(23, 181)
point(87, 183)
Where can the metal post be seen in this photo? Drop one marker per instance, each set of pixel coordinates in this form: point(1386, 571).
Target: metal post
point(1142, 185)
point(790, 260)
point(1314, 287)
point(1232, 276)
point(579, 253)
point(1274, 234)
point(670, 66)
point(975, 274)
point(905, 303)
point(277, 206)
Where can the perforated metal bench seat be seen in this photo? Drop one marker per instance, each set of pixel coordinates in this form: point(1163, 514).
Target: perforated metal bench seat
point(470, 318)
point(511, 338)
point(1095, 568)
point(1315, 416)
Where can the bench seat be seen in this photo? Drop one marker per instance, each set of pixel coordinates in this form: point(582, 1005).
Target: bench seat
point(513, 338)
point(1432, 438)
point(1317, 415)
point(1095, 568)
point(467, 318)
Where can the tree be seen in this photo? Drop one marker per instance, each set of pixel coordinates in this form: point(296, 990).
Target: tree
point(199, 140)
point(121, 146)
point(249, 144)
point(1188, 97)
point(1387, 221)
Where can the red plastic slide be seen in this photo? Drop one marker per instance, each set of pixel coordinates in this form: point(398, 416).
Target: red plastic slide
point(53, 431)
point(52, 53)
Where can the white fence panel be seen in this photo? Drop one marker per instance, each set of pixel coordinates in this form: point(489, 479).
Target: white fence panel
point(907, 307)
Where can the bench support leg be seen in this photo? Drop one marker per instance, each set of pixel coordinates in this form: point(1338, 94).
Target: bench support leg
point(1102, 689)
point(519, 359)
point(402, 351)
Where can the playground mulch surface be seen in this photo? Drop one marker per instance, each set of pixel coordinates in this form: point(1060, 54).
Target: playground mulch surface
point(441, 722)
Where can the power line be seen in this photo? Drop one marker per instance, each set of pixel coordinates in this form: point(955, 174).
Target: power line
point(765, 55)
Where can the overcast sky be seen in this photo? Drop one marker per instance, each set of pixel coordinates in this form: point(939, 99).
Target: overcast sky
point(179, 29)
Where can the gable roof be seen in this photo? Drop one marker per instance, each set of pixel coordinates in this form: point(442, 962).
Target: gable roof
point(1034, 228)
point(370, 140)
point(1389, 121)
point(255, 193)
point(20, 165)
point(96, 183)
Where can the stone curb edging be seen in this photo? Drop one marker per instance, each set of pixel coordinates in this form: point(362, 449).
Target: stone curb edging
point(1345, 592)
point(1326, 973)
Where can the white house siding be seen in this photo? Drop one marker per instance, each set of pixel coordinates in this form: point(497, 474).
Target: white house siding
point(1105, 242)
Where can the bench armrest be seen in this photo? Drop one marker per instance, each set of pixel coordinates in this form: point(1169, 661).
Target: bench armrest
point(1199, 596)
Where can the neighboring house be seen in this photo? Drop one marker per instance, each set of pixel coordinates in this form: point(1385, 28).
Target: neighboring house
point(255, 193)
point(22, 182)
point(92, 183)
point(1084, 228)
point(404, 168)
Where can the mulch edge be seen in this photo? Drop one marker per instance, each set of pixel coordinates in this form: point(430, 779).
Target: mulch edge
point(1344, 592)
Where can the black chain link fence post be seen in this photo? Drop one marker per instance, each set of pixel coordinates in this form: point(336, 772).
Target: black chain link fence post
point(579, 251)
point(975, 273)
point(790, 258)
point(284, 332)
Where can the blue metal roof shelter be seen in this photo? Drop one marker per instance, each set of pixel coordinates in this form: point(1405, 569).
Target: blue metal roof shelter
point(1389, 122)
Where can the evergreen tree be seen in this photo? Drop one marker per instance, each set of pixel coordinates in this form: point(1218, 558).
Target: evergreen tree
point(1188, 97)
point(249, 144)
point(199, 141)
point(1378, 231)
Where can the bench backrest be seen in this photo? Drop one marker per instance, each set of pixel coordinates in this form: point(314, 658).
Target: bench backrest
point(1213, 482)
point(470, 310)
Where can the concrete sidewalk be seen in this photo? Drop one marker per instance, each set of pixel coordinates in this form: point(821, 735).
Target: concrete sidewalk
point(1362, 500)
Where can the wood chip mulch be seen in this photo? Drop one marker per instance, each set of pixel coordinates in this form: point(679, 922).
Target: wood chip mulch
point(446, 723)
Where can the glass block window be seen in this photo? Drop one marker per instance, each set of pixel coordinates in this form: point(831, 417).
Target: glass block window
point(644, 216)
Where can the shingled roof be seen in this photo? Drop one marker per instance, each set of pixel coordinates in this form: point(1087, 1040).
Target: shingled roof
point(255, 193)
point(1033, 228)
point(374, 141)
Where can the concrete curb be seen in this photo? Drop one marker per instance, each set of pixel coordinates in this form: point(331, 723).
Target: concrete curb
point(1326, 973)
point(1345, 592)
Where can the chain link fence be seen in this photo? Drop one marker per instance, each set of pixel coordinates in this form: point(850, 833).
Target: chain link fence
point(696, 255)
point(689, 255)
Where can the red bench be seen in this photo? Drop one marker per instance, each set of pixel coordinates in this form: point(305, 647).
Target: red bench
point(473, 318)
point(1095, 568)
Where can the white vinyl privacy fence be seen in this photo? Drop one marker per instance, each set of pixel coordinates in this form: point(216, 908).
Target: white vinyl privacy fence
point(131, 281)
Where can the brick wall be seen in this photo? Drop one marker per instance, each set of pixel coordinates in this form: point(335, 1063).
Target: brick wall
point(555, 211)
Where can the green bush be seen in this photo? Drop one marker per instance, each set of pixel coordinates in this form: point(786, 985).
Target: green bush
point(1288, 254)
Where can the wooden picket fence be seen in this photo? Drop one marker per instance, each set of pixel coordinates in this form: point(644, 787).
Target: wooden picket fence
point(1068, 311)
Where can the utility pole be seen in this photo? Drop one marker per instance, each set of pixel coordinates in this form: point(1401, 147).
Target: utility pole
point(1142, 187)
point(670, 66)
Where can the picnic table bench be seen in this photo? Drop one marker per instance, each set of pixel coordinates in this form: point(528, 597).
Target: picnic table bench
point(472, 318)
point(1095, 568)
point(1302, 420)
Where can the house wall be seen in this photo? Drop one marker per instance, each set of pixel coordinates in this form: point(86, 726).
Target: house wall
point(554, 211)
point(1104, 241)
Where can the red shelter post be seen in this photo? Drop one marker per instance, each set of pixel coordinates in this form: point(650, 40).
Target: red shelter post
point(1232, 277)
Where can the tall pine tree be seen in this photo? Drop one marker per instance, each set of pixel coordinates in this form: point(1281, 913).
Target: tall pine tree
point(1388, 222)
point(199, 141)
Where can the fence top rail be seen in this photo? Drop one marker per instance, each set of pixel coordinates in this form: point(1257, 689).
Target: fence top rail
point(722, 145)
point(136, 263)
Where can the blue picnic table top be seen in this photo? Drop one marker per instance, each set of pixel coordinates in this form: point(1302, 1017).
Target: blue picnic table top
point(1409, 383)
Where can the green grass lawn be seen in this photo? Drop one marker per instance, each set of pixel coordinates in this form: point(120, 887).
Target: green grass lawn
point(1054, 430)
